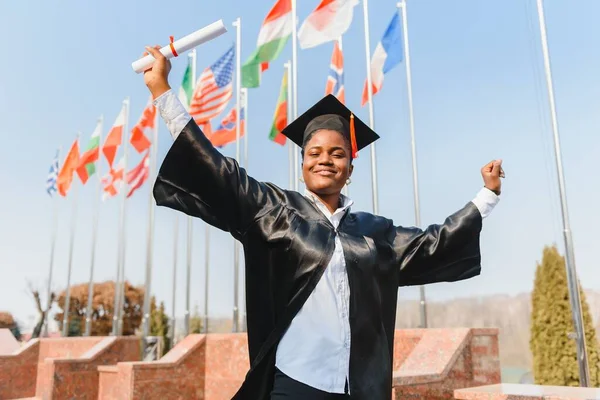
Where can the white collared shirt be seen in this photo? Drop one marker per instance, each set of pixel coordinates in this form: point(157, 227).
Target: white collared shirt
point(315, 350)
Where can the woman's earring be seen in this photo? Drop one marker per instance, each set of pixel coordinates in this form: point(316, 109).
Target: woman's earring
point(348, 181)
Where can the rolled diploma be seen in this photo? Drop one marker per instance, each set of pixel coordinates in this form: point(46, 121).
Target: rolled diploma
point(184, 44)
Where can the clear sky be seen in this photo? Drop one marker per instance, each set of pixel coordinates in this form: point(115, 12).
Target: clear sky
point(479, 94)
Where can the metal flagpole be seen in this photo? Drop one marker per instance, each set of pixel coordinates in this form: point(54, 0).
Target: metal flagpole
point(345, 189)
point(206, 274)
point(65, 327)
point(150, 234)
point(288, 72)
point(370, 98)
point(402, 7)
point(52, 247)
point(88, 311)
point(295, 89)
point(188, 278)
point(123, 215)
point(175, 248)
point(572, 281)
point(236, 257)
point(244, 95)
point(115, 322)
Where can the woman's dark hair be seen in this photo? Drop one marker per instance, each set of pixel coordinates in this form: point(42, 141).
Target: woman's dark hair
point(310, 136)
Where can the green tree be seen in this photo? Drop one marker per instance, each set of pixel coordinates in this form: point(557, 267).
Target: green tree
point(196, 321)
point(159, 323)
point(554, 353)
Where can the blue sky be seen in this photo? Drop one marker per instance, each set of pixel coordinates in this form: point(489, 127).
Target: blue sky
point(479, 94)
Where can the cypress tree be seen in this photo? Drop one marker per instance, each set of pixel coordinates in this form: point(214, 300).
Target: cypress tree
point(554, 353)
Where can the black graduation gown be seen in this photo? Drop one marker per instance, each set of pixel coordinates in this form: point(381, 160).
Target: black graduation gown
point(288, 243)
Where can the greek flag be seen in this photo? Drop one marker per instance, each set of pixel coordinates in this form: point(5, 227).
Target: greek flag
point(52, 176)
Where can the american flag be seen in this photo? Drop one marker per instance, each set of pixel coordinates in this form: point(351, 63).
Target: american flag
point(214, 89)
point(52, 176)
point(226, 132)
point(335, 80)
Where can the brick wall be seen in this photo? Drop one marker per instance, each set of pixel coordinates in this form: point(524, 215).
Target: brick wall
point(473, 361)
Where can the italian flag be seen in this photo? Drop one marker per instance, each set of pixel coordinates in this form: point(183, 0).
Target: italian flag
point(87, 161)
point(280, 119)
point(65, 176)
point(186, 91)
point(274, 34)
point(114, 138)
point(330, 20)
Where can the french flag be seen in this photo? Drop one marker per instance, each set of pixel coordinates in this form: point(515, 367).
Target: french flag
point(387, 55)
point(335, 80)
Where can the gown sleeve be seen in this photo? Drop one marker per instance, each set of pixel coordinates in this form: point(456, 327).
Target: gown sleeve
point(440, 253)
point(195, 178)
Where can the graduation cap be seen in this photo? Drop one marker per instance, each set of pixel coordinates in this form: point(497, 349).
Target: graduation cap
point(330, 113)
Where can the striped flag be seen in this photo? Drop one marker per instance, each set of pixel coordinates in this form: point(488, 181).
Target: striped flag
point(52, 175)
point(114, 138)
point(280, 119)
point(330, 20)
point(335, 80)
point(387, 55)
point(272, 37)
point(138, 175)
point(226, 132)
point(214, 89)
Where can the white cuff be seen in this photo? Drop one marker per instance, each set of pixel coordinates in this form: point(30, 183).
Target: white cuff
point(172, 112)
point(485, 201)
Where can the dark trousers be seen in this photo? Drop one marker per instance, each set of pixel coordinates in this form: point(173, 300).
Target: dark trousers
point(286, 388)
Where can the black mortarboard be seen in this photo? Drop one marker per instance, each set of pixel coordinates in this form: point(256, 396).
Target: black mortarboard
point(330, 113)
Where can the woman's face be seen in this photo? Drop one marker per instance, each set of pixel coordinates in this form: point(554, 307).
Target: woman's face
point(326, 165)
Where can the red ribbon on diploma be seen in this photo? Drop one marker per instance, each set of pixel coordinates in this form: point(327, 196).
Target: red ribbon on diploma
point(173, 47)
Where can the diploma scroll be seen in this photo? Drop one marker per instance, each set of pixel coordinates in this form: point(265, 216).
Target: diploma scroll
point(186, 43)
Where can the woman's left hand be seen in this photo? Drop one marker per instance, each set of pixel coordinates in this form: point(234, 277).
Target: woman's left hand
point(491, 173)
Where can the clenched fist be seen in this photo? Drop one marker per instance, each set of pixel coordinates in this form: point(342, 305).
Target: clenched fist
point(491, 173)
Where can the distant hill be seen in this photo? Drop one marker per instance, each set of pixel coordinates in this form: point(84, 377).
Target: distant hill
point(510, 314)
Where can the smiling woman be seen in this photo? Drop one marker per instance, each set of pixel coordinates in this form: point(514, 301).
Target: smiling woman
point(321, 281)
point(330, 137)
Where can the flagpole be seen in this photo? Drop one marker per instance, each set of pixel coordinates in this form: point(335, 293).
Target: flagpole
point(190, 231)
point(65, 327)
point(288, 71)
point(52, 247)
point(345, 189)
point(244, 93)
point(370, 98)
point(417, 204)
point(88, 311)
point(295, 88)
point(572, 281)
point(174, 287)
point(236, 256)
point(150, 234)
point(123, 215)
point(206, 274)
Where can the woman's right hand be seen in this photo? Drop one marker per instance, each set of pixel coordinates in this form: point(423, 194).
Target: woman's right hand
point(157, 77)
